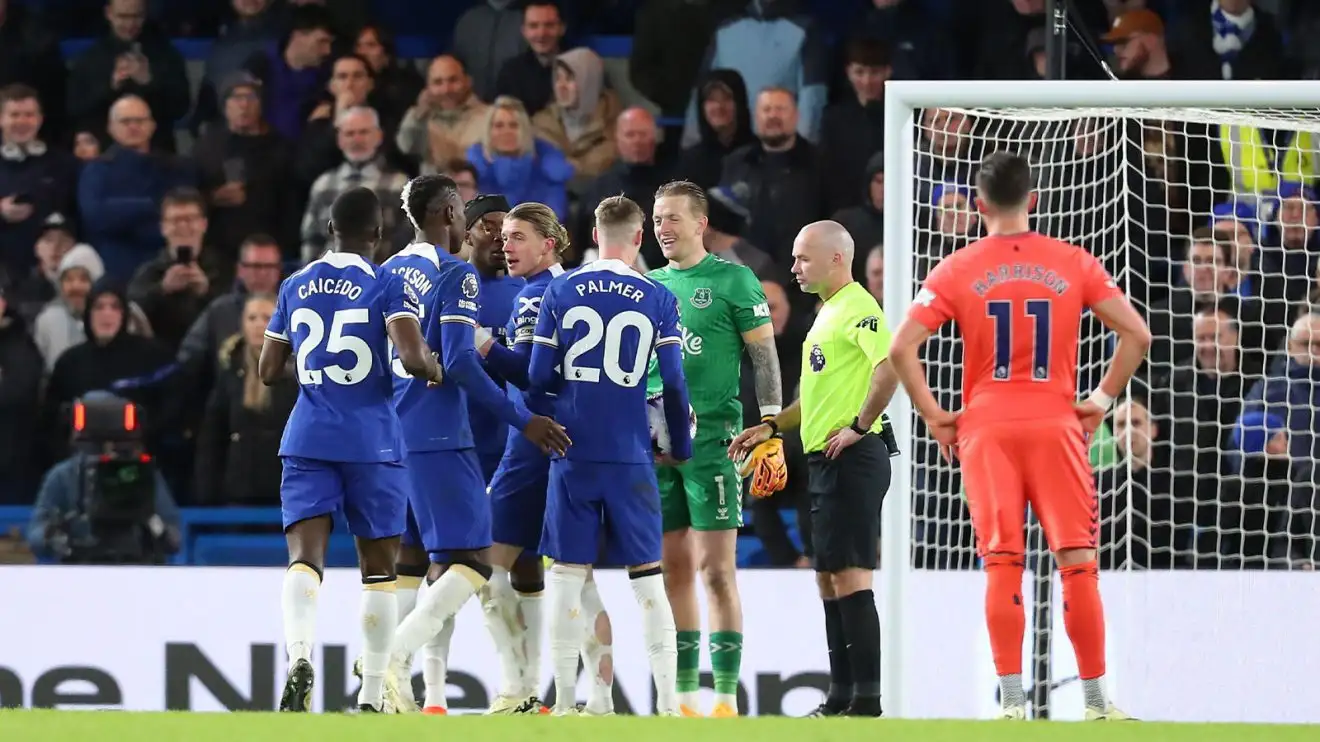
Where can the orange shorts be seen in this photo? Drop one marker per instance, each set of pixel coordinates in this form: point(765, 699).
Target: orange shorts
point(1045, 463)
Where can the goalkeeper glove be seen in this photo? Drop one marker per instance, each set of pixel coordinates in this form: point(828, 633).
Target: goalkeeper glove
point(766, 466)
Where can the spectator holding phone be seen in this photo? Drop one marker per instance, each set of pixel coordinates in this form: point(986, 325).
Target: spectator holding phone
point(243, 167)
point(175, 286)
point(35, 180)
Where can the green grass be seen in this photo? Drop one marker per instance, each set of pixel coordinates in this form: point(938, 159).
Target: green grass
point(86, 726)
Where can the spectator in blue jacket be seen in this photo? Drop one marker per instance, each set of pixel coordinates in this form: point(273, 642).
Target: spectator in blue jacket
point(511, 160)
point(119, 194)
point(1290, 390)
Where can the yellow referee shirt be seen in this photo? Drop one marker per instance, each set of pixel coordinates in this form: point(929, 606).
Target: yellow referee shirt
point(847, 341)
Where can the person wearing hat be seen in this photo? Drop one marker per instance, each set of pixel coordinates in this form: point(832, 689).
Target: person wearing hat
point(243, 167)
point(1138, 39)
point(42, 284)
point(484, 216)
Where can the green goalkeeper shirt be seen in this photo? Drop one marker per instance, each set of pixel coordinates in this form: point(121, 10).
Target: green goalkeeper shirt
point(718, 301)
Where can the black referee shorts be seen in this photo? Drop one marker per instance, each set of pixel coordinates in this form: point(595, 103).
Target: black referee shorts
point(846, 495)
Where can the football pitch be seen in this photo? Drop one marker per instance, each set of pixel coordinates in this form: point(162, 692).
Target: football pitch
point(86, 726)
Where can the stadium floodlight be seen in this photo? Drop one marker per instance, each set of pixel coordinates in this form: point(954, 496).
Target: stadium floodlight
point(1129, 170)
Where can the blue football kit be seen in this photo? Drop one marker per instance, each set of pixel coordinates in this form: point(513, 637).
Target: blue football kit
point(518, 488)
point(343, 446)
point(449, 507)
point(489, 432)
point(597, 329)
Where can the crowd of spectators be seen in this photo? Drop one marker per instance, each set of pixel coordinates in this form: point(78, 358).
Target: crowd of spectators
point(150, 205)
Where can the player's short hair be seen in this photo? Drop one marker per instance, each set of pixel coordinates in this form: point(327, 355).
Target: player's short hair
point(183, 196)
point(1004, 180)
point(617, 212)
point(356, 213)
point(426, 195)
point(695, 195)
point(543, 220)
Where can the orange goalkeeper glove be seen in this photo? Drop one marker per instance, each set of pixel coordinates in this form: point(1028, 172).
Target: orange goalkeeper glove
point(766, 466)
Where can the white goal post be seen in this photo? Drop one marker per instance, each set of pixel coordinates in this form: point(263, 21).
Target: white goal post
point(1082, 187)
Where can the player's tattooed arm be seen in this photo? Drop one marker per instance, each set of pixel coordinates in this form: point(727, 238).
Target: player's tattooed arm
point(765, 369)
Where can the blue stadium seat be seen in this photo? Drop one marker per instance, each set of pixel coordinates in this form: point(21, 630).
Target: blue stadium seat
point(262, 550)
point(15, 516)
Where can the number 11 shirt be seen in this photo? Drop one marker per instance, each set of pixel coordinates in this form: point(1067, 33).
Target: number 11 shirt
point(1018, 302)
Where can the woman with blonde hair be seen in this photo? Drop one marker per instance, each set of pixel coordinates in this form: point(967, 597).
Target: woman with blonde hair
point(534, 243)
point(239, 438)
point(510, 159)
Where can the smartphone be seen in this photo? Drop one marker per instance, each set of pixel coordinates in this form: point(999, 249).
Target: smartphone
point(183, 255)
point(235, 170)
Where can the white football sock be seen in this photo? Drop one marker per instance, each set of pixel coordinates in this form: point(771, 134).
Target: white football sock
point(499, 606)
point(436, 605)
point(530, 618)
point(660, 636)
point(435, 667)
point(565, 587)
point(406, 590)
point(597, 650)
point(380, 617)
point(298, 603)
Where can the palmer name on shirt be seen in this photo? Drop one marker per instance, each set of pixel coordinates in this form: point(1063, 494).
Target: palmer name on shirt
point(601, 286)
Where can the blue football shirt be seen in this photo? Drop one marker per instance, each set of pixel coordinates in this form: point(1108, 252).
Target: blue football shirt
point(435, 418)
point(334, 313)
point(603, 321)
point(498, 295)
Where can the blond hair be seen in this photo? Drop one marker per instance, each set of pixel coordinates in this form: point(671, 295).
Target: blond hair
point(256, 395)
point(616, 213)
point(544, 222)
point(526, 141)
point(695, 195)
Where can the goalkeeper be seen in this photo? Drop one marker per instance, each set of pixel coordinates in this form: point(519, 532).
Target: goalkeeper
point(846, 384)
point(722, 309)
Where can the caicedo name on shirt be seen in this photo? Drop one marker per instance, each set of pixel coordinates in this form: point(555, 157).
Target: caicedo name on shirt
point(1012, 272)
point(339, 286)
point(597, 286)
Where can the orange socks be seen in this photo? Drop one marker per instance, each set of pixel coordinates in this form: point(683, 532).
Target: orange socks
point(1005, 616)
point(1084, 618)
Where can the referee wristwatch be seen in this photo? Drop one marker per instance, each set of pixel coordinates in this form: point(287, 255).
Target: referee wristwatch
point(857, 428)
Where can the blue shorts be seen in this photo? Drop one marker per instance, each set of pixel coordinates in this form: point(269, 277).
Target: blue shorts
point(588, 496)
point(517, 500)
point(372, 496)
point(490, 463)
point(448, 509)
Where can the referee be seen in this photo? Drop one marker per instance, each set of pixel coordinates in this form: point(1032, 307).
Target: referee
point(845, 385)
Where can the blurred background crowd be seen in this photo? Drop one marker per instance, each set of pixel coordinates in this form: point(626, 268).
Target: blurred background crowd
point(164, 164)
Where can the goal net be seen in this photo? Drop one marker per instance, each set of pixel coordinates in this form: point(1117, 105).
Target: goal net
point(1206, 469)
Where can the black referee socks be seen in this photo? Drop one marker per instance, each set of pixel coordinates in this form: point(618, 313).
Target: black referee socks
point(841, 684)
point(861, 627)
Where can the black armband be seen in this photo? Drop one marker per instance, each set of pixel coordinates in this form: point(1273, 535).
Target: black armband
point(857, 427)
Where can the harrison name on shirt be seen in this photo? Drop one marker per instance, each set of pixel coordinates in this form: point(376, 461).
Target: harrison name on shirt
point(1012, 272)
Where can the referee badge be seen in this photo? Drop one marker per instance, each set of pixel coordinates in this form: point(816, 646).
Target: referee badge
point(700, 298)
point(816, 359)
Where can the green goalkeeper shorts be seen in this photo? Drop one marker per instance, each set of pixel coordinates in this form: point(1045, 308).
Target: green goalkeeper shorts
point(704, 492)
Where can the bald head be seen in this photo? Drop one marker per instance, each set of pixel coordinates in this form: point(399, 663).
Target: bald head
point(828, 236)
point(130, 124)
point(822, 257)
point(635, 135)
